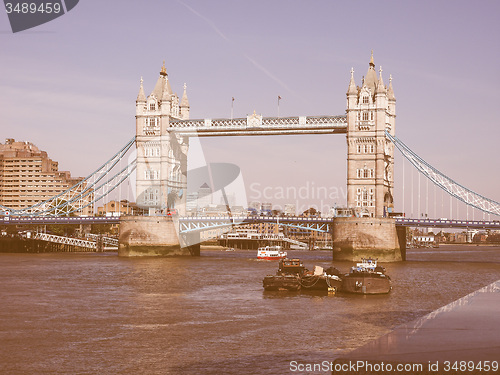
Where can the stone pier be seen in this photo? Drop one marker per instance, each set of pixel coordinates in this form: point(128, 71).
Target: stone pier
point(355, 238)
point(152, 236)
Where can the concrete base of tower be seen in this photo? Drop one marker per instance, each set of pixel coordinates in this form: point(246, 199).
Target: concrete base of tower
point(150, 236)
point(355, 238)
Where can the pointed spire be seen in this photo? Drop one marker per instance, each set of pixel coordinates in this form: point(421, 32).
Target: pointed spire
point(141, 97)
point(167, 90)
point(163, 70)
point(390, 91)
point(380, 85)
point(371, 76)
point(184, 100)
point(352, 85)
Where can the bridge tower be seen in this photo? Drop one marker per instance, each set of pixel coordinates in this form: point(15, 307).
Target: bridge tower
point(161, 153)
point(371, 109)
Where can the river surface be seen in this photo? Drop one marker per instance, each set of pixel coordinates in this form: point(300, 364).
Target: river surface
point(99, 314)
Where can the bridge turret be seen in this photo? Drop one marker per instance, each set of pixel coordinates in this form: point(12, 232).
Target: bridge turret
point(161, 154)
point(370, 111)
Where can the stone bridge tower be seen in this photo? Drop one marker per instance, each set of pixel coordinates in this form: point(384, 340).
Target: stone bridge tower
point(371, 109)
point(161, 153)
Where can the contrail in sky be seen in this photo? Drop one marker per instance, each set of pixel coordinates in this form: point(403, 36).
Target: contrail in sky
point(223, 36)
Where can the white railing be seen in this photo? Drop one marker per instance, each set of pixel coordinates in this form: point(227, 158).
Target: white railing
point(66, 240)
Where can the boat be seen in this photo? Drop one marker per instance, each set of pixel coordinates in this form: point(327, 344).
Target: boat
point(291, 266)
point(287, 277)
point(286, 282)
point(325, 280)
point(366, 278)
point(271, 253)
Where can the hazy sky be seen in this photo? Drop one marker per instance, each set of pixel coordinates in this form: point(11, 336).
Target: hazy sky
point(69, 86)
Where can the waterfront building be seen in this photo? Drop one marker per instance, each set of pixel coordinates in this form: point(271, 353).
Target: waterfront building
point(28, 176)
point(118, 208)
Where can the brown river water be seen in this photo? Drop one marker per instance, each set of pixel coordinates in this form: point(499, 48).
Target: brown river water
point(96, 313)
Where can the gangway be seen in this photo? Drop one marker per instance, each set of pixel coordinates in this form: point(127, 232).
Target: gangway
point(91, 245)
point(295, 242)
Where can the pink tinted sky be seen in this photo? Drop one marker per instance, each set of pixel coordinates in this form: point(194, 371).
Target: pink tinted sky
point(69, 86)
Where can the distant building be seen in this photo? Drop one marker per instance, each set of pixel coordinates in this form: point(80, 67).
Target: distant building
point(192, 201)
point(254, 206)
point(28, 176)
point(204, 196)
point(266, 208)
point(115, 208)
point(290, 210)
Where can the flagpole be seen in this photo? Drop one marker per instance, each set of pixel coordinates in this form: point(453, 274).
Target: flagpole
point(232, 103)
point(279, 98)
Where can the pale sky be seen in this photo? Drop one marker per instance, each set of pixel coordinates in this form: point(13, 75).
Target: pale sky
point(69, 86)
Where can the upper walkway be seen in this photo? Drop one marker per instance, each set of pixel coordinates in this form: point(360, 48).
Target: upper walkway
point(258, 125)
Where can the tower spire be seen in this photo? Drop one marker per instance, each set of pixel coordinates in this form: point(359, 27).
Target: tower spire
point(371, 76)
point(141, 97)
point(163, 70)
point(380, 85)
point(352, 84)
point(184, 100)
point(390, 91)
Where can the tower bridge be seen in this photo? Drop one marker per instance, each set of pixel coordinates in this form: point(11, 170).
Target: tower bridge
point(163, 129)
point(162, 140)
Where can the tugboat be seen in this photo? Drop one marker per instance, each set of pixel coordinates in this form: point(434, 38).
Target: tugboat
point(271, 253)
point(287, 278)
point(325, 280)
point(366, 278)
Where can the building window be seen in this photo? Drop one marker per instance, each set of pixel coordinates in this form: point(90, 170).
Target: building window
point(365, 116)
point(152, 106)
point(365, 99)
point(150, 174)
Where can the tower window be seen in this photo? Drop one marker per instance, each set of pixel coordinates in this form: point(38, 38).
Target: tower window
point(152, 106)
point(365, 99)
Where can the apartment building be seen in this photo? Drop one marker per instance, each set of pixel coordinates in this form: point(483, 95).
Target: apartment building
point(28, 176)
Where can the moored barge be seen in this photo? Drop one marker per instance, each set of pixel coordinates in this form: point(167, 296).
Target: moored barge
point(366, 278)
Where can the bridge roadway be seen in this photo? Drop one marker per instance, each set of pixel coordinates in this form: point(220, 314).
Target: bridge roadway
point(200, 223)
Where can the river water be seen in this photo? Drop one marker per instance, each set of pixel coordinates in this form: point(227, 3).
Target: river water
point(97, 313)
